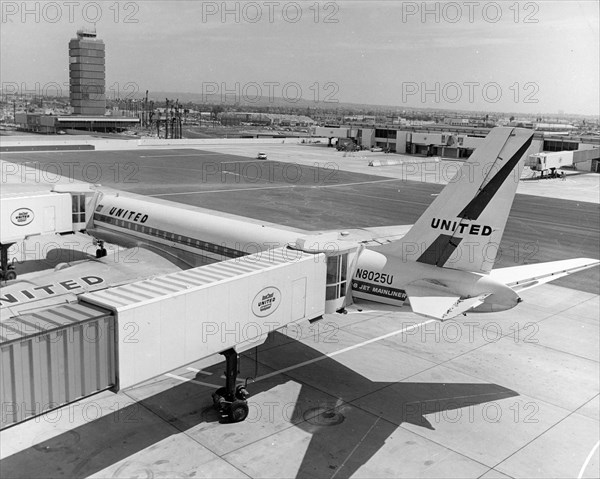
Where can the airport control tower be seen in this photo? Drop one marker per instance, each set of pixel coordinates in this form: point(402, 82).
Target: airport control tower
point(87, 75)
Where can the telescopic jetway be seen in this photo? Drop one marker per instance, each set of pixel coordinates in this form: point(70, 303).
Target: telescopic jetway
point(25, 214)
point(120, 336)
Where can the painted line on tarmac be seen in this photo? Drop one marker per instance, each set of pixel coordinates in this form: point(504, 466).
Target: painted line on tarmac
point(587, 461)
point(355, 183)
point(187, 154)
point(222, 191)
point(181, 378)
point(311, 361)
point(242, 161)
point(344, 350)
point(199, 371)
point(258, 188)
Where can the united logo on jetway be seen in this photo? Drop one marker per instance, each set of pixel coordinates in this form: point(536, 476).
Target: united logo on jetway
point(22, 217)
point(47, 290)
point(266, 301)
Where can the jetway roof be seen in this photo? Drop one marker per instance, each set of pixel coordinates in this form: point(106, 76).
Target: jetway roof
point(146, 291)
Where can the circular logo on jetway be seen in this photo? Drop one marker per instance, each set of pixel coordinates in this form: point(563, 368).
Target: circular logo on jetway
point(266, 301)
point(22, 217)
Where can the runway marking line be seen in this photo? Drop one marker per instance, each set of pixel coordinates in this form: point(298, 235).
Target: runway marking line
point(181, 378)
point(220, 191)
point(311, 361)
point(199, 371)
point(587, 461)
point(190, 154)
point(258, 188)
point(344, 350)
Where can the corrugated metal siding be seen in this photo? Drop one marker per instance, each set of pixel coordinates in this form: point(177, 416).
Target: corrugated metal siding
point(174, 283)
point(54, 357)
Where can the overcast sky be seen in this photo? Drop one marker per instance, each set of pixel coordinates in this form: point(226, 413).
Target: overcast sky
point(524, 57)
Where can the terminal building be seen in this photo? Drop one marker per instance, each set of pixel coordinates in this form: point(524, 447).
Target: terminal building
point(448, 142)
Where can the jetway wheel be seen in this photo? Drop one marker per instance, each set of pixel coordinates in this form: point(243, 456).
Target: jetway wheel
point(238, 411)
point(230, 401)
point(218, 398)
point(232, 411)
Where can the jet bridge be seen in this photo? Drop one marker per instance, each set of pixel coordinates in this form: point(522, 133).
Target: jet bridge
point(120, 336)
point(65, 209)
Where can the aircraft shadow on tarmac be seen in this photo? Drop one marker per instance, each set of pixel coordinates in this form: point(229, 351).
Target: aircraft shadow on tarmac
point(101, 443)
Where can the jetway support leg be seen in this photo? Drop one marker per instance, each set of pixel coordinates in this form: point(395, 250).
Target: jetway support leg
point(231, 400)
point(7, 271)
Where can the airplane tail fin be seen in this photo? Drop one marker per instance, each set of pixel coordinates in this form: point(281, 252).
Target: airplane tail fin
point(463, 227)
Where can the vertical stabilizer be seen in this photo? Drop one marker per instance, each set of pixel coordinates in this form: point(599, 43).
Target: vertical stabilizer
point(463, 227)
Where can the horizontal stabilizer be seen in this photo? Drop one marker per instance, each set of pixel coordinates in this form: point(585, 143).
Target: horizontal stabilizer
point(436, 301)
point(520, 278)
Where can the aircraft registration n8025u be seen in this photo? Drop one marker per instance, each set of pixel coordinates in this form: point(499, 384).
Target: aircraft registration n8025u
point(443, 264)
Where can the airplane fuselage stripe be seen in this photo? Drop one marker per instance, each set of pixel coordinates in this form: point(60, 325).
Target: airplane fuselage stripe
point(205, 246)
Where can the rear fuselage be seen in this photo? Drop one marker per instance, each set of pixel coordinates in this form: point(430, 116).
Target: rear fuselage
point(383, 278)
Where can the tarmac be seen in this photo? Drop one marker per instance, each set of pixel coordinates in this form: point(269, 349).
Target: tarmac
point(372, 393)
